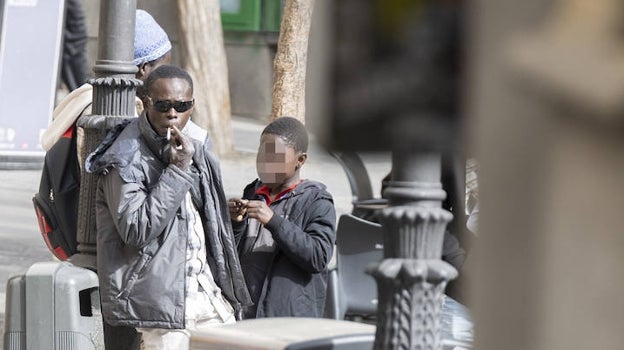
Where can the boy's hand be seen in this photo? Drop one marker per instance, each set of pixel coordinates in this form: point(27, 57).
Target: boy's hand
point(260, 211)
point(238, 208)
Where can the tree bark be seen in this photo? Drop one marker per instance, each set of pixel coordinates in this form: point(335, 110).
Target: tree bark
point(289, 66)
point(203, 53)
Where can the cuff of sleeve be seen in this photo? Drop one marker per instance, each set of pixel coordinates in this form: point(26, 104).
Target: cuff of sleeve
point(187, 175)
point(174, 178)
point(275, 222)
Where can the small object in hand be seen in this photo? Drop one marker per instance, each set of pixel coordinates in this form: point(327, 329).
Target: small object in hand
point(168, 134)
point(241, 208)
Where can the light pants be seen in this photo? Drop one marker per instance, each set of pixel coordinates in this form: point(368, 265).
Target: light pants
point(200, 314)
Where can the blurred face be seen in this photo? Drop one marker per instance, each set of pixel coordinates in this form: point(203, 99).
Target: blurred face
point(277, 163)
point(169, 102)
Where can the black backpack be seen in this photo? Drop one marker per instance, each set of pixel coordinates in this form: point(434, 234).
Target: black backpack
point(56, 203)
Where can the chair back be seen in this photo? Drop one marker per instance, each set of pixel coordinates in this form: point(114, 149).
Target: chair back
point(359, 243)
point(359, 180)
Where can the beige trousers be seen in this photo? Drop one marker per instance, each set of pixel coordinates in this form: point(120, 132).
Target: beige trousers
point(202, 314)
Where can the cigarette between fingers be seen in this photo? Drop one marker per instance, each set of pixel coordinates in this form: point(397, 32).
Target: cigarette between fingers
point(168, 134)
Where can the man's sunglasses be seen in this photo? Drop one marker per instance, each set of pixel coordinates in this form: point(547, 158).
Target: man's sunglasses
point(179, 106)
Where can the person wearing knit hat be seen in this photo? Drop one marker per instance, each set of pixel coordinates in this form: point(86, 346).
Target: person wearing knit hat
point(152, 48)
point(150, 40)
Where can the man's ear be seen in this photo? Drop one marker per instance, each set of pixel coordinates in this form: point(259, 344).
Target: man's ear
point(142, 73)
point(145, 101)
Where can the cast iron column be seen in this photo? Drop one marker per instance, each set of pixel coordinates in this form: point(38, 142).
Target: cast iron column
point(412, 277)
point(114, 89)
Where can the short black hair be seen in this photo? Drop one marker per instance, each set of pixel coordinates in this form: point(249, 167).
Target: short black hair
point(291, 130)
point(167, 72)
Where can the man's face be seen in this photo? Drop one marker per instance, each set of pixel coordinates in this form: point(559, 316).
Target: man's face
point(276, 161)
point(146, 68)
point(169, 102)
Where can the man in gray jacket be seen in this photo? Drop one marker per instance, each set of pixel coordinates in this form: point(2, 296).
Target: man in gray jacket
point(166, 255)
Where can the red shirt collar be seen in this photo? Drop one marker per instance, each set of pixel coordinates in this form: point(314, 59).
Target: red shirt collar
point(265, 192)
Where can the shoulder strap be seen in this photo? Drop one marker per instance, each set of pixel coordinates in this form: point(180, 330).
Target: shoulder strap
point(66, 114)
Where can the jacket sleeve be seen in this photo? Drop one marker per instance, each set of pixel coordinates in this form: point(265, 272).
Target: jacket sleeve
point(239, 229)
point(139, 214)
point(311, 246)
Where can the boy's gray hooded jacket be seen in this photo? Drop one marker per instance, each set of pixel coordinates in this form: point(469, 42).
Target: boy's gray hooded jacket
point(142, 228)
point(303, 227)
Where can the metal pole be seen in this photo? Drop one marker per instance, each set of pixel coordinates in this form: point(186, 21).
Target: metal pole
point(114, 91)
point(412, 277)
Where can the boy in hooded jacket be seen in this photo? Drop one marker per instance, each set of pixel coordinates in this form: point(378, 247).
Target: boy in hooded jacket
point(284, 227)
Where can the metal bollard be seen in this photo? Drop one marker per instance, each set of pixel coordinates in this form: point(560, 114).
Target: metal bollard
point(53, 305)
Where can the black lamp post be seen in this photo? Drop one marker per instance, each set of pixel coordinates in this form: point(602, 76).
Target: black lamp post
point(114, 91)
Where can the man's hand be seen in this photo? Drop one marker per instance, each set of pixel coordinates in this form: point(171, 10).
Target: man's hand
point(182, 149)
point(260, 211)
point(238, 208)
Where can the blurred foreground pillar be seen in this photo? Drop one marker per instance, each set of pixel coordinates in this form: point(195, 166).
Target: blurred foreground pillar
point(396, 88)
point(546, 96)
point(114, 89)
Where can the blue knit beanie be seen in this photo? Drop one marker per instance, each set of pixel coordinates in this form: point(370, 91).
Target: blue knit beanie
point(150, 40)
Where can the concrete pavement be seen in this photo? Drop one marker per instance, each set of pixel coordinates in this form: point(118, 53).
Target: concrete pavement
point(22, 244)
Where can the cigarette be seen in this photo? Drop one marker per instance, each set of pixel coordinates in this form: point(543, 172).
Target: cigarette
point(168, 134)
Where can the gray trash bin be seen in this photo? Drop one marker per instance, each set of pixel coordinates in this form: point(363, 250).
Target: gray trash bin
point(54, 305)
point(15, 310)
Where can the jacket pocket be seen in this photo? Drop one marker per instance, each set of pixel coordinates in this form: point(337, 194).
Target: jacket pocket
point(137, 271)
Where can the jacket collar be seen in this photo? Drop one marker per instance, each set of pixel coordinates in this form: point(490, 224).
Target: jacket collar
point(156, 143)
point(265, 193)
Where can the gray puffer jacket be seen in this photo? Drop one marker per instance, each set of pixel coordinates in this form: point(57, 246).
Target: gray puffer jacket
point(303, 229)
point(142, 228)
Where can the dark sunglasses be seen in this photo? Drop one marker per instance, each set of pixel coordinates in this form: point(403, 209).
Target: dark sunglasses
point(179, 106)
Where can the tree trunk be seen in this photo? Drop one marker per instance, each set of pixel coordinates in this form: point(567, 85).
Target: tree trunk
point(289, 67)
point(203, 54)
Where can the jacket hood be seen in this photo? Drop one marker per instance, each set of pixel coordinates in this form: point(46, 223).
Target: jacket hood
point(307, 185)
point(121, 145)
